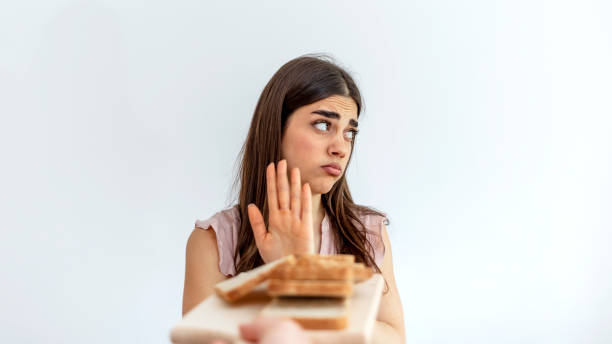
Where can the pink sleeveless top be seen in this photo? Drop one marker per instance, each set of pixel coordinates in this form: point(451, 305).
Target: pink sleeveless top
point(226, 224)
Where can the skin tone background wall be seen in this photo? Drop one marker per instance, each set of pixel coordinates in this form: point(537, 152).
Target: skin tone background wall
point(486, 138)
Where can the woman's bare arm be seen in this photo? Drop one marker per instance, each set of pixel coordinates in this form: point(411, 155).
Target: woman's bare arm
point(201, 267)
point(389, 327)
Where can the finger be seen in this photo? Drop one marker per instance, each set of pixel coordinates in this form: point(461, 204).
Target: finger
point(295, 192)
point(282, 185)
point(254, 330)
point(257, 223)
point(271, 188)
point(307, 205)
point(286, 331)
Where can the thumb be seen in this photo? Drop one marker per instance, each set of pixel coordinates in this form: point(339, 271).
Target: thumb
point(257, 223)
point(255, 330)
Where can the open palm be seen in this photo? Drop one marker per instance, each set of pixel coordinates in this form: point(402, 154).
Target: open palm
point(290, 216)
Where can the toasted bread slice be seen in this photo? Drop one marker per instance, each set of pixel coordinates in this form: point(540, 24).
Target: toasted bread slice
point(312, 288)
point(361, 272)
point(236, 287)
point(315, 271)
point(305, 259)
point(316, 267)
point(314, 314)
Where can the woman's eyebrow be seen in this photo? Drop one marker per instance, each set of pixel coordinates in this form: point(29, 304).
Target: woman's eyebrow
point(334, 115)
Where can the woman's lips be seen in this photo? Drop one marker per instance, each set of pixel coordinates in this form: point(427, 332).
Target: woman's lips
point(332, 170)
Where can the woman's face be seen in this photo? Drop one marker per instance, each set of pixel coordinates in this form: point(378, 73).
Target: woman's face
point(319, 134)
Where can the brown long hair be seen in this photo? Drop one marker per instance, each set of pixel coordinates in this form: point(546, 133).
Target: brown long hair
point(301, 81)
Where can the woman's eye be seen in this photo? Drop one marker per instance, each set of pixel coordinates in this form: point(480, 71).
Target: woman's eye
point(352, 134)
point(322, 126)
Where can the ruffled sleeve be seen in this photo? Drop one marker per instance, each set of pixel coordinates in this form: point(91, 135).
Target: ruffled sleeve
point(374, 225)
point(226, 224)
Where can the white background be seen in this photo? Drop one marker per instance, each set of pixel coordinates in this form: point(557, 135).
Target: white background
point(486, 138)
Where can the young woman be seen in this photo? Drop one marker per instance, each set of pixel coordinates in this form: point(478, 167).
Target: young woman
point(294, 197)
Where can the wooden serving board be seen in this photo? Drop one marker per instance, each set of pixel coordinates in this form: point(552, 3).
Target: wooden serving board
point(214, 318)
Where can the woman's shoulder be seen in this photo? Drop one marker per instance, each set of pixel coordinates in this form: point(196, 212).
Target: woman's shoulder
point(225, 224)
point(225, 218)
point(372, 218)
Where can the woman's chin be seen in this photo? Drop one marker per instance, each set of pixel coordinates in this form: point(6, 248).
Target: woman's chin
point(321, 188)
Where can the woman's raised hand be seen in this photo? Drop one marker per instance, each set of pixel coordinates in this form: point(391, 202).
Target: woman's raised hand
point(290, 216)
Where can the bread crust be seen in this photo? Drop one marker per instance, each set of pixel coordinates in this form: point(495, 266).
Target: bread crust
point(237, 293)
point(337, 258)
point(317, 267)
point(314, 272)
point(277, 287)
point(251, 280)
point(361, 272)
point(285, 308)
point(337, 323)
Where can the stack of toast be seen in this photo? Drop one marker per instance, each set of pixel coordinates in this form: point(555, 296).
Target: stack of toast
point(313, 290)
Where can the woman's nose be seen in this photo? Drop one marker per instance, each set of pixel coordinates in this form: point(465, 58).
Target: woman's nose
point(338, 146)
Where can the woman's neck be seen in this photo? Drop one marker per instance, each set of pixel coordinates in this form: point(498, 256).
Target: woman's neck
point(318, 212)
